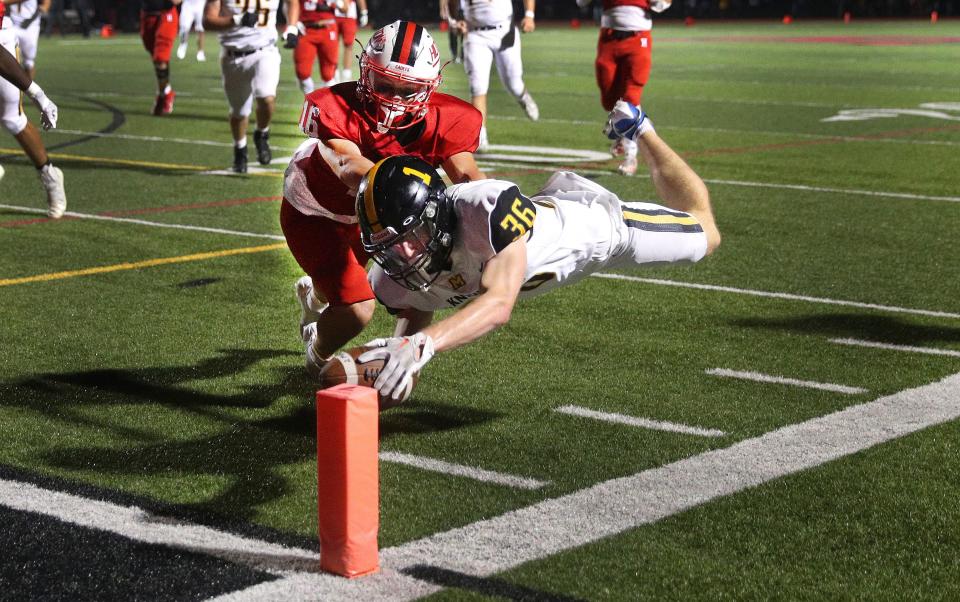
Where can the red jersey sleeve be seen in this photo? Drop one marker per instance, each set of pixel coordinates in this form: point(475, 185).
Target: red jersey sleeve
point(325, 115)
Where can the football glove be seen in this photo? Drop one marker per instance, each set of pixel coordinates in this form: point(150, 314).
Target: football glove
point(291, 35)
point(403, 357)
point(48, 110)
point(627, 121)
point(246, 19)
point(658, 6)
point(363, 19)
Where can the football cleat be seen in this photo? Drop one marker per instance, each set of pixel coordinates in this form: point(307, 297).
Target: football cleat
point(262, 141)
point(164, 104)
point(201, 57)
point(308, 316)
point(240, 160)
point(52, 179)
point(629, 166)
point(529, 106)
point(182, 51)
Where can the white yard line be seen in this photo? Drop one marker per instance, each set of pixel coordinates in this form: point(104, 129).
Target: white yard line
point(459, 470)
point(139, 525)
point(780, 380)
point(612, 507)
point(196, 142)
point(657, 425)
point(140, 222)
point(786, 296)
point(852, 191)
point(891, 347)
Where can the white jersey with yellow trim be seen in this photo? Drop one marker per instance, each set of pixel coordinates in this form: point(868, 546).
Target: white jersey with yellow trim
point(573, 228)
point(264, 33)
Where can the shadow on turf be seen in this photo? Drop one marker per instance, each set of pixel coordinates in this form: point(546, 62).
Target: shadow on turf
point(238, 459)
point(487, 586)
point(882, 329)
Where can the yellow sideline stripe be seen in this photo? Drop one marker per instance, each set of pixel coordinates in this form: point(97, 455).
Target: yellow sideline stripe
point(134, 163)
point(149, 263)
point(660, 219)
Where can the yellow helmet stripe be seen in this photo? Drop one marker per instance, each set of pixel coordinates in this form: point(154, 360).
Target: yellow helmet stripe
point(371, 210)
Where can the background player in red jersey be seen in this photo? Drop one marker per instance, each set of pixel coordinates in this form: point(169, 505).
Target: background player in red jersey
point(315, 20)
point(392, 109)
point(159, 25)
point(623, 61)
point(350, 14)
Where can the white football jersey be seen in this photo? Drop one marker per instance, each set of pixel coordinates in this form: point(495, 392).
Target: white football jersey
point(574, 227)
point(484, 13)
point(345, 9)
point(264, 33)
point(25, 11)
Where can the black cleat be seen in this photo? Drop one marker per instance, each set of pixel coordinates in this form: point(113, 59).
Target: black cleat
point(240, 160)
point(262, 141)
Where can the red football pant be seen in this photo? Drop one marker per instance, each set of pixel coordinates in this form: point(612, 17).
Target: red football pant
point(158, 31)
point(347, 26)
point(315, 43)
point(330, 253)
point(622, 67)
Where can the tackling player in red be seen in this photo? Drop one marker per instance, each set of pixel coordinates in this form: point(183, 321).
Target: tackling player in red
point(159, 27)
point(393, 109)
point(318, 40)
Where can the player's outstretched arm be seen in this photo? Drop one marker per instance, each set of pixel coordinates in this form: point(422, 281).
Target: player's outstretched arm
point(678, 186)
point(500, 284)
point(344, 159)
point(462, 167)
point(11, 71)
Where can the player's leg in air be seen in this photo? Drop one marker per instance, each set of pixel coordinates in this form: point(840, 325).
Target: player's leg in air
point(510, 68)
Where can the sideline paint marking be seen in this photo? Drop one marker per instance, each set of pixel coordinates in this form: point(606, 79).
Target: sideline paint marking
point(477, 474)
point(646, 423)
point(891, 347)
point(149, 263)
point(140, 222)
point(780, 380)
point(555, 525)
point(787, 296)
point(139, 525)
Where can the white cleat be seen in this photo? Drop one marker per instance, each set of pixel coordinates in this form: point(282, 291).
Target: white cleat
point(182, 51)
point(629, 166)
point(308, 316)
point(52, 179)
point(529, 106)
point(201, 57)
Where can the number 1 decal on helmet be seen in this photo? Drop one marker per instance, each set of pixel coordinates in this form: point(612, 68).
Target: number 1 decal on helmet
point(399, 71)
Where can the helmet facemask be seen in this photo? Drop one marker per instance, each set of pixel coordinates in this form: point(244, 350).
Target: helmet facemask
point(415, 257)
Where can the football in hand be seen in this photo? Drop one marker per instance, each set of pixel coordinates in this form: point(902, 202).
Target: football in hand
point(343, 368)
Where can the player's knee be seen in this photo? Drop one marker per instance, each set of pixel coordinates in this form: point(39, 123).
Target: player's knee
point(15, 124)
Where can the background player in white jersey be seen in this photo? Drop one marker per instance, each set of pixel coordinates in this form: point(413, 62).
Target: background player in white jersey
point(13, 80)
point(250, 65)
point(350, 15)
point(482, 245)
point(191, 17)
point(491, 36)
point(25, 15)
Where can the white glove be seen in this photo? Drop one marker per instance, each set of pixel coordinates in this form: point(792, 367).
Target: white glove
point(403, 356)
point(363, 19)
point(627, 121)
point(48, 110)
point(658, 6)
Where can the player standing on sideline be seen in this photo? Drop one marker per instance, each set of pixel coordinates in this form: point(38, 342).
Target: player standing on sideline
point(623, 61)
point(315, 20)
point(13, 79)
point(392, 109)
point(345, 12)
point(482, 245)
point(158, 30)
point(492, 36)
point(250, 66)
point(25, 15)
point(191, 16)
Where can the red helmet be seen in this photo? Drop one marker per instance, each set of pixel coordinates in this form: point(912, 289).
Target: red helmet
point(399, 70)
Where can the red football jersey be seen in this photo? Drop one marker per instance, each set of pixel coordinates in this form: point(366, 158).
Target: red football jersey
point(608, 4)
point(312, 11)
point(450, 126)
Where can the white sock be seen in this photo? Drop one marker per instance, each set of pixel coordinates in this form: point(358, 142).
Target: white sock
point(240, 143)
point(306, 85)
point(346, 75)
point(166, 89)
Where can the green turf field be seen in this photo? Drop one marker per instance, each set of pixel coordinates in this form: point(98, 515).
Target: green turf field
point(180, 382)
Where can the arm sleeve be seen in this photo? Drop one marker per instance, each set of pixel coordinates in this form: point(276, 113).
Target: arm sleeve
point(321, 117)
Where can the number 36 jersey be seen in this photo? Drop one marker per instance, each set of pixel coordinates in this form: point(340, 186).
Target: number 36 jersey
point(573, 228)
point(264, 33)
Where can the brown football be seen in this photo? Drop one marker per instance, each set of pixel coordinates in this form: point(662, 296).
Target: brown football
point(343, 367)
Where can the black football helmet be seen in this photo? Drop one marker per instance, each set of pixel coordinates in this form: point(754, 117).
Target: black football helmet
point(406, 220)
